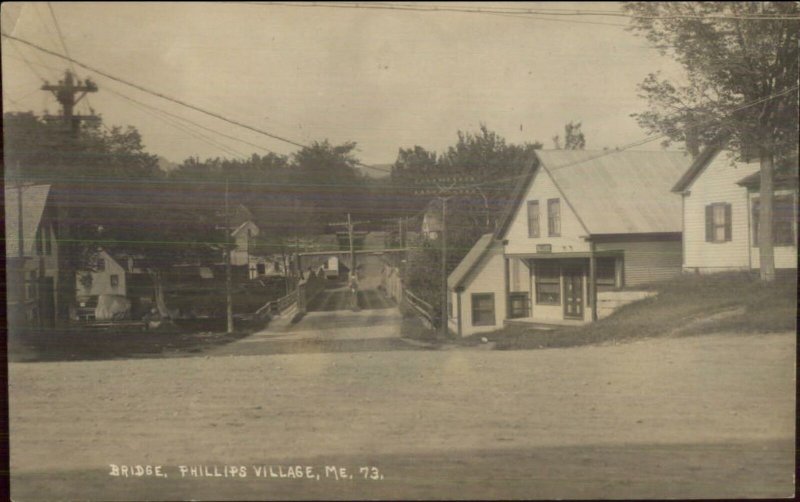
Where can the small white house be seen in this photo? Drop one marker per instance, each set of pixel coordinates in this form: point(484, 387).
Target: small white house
point(244, 240)
point(720, 214)
point(107, 278)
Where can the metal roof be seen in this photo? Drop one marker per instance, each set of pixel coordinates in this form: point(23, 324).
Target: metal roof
point(619, 192)
point(470, 261)
point(34, 199)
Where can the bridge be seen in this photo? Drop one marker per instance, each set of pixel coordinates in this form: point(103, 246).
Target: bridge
point(363, 257)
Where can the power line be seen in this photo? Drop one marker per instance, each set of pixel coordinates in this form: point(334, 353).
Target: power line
point(154, 93)
point(184, 119)
point(538, 11)
point(66, 50)
point(51, 37)
point(170, 98)
point(28, 62)
point(60, 35)
point(187, 130)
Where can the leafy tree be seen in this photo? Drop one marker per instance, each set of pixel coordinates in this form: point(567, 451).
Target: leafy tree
point(573, 137)
point(742, 64)
point(483, 169)
point(328, 180)
point(109, 194)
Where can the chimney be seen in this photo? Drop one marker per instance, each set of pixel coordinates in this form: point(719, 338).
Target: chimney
point(692, 140)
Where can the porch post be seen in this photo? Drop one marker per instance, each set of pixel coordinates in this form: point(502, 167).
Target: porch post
point(507, 288)
point(458, 309)
point(593, 280)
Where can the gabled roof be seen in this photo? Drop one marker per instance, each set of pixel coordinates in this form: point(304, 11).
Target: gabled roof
point(470, 261)
point(34, 200)
point(243, 226)
point(697, 166)
point(701, 162)
point(780, 179)
point(612, 192)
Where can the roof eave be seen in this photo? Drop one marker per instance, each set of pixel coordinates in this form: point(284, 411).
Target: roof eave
point(698, 166)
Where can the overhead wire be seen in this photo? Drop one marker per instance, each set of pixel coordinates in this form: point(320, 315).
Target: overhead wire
point(526, 11)
point(184, 119)
point(66, 51)
point(170, 98)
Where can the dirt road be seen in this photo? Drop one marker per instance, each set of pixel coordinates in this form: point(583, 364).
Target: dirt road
point(709, 416)
point(331, 325)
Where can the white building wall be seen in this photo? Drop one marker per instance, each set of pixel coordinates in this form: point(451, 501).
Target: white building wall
point(487, 277)
point(542, 188)
point(101, 280)
point(717, 183)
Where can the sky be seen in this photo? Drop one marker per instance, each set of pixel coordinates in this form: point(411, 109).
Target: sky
point(386, 79)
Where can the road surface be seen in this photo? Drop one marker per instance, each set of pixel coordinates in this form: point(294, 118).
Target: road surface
point(331, 325)
point(701, 417)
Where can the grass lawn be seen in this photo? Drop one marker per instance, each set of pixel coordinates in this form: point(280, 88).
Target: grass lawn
point(685, 305)
point(81, 344)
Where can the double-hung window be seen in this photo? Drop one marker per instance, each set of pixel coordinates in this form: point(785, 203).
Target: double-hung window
point(553, 218)
point(483, 309)
point(718, 222)
point(533, 218)
point(548, 283)
point(783, 221)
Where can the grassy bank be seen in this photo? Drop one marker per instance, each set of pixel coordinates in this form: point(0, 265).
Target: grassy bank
point(685, 305)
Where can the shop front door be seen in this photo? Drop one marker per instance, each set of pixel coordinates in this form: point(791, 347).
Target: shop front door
point(573, 292)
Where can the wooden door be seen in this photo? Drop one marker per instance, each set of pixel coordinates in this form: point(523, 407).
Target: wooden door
point(573, 292)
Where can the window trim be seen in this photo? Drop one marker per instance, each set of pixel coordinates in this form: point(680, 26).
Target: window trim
point(521, 295)
point(473, 303)
point(712, 226)
point(754, 206)
point(531, 233)
point(112, 279)
point(537, 281)
point(553, 216)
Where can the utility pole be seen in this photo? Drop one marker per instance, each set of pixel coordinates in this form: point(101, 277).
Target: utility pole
point(20, 237)
point(352, 253)
point(228, 296)
point(444, 266)
point(68, 93)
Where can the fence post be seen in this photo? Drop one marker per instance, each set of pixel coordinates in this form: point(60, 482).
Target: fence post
point(301, 297)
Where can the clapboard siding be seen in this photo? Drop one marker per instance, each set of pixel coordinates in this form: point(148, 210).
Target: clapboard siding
point(542, 188)
point(647, 261)
point(717, 184)
point(486, 277)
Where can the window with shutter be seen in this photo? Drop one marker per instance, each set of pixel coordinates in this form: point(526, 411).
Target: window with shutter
point(718, 222)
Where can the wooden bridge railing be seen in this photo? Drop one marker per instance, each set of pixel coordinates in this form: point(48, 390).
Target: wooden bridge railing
point(421, 307)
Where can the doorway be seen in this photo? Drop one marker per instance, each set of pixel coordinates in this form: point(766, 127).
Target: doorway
point(573, 292)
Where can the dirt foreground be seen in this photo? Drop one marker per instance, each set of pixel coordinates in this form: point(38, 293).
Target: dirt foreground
point(709, 416)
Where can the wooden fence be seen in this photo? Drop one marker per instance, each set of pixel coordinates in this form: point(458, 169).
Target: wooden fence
point(419, 306)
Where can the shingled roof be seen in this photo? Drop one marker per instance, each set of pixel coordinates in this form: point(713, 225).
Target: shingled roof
point(626, 192)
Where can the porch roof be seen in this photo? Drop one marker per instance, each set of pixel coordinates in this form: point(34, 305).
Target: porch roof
point(561, 256)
